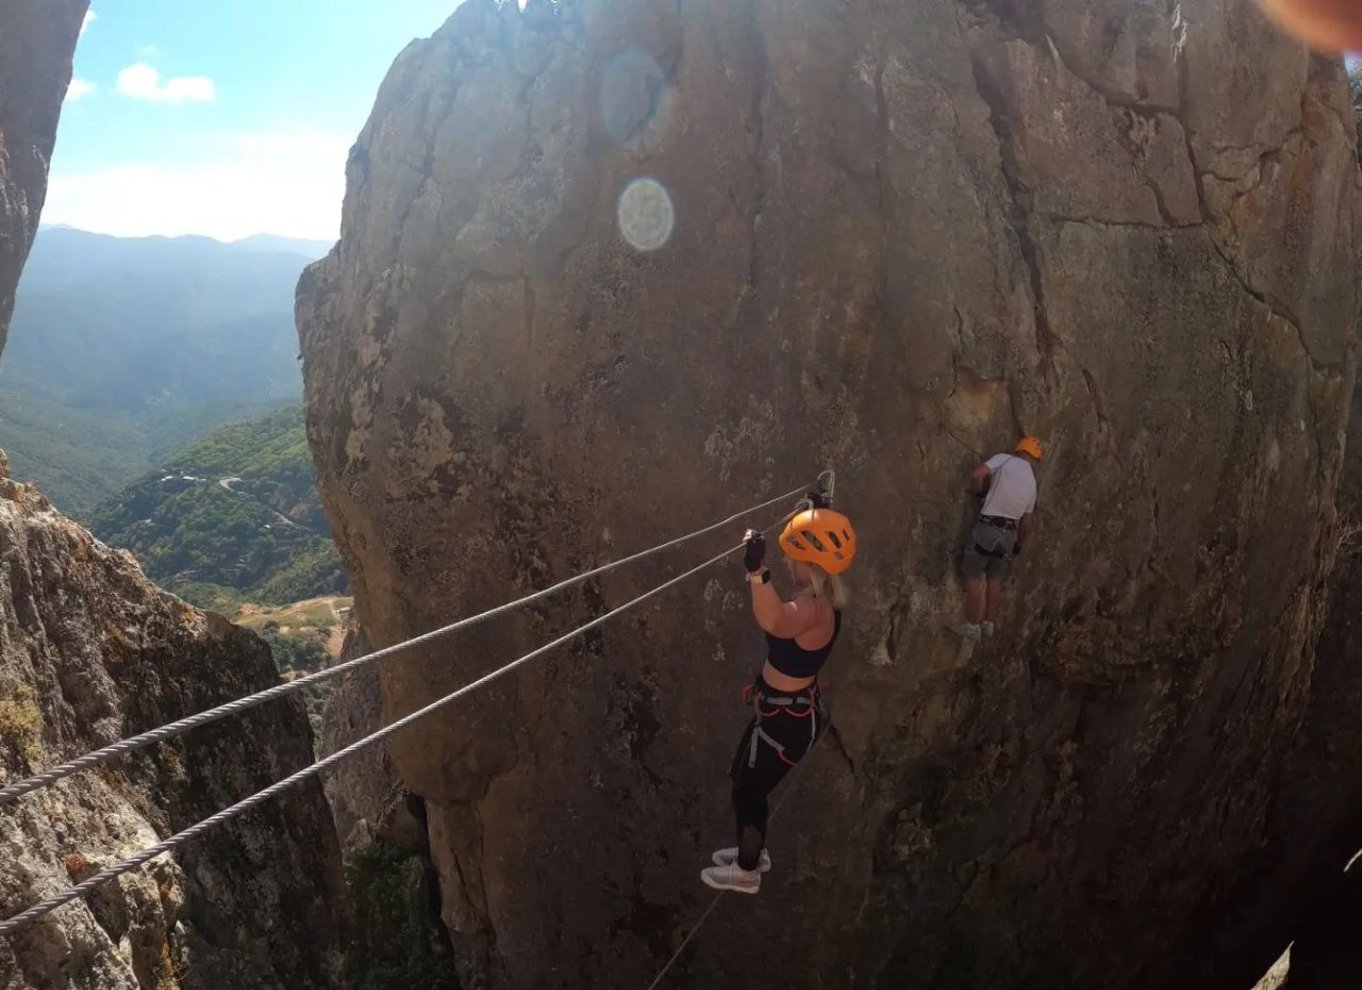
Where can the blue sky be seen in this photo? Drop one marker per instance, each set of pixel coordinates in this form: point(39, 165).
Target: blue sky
point(223, 119)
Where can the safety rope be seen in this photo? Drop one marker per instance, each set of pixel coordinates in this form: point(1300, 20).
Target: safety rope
point(126, 746)
point(227, 814)
point(657, 980)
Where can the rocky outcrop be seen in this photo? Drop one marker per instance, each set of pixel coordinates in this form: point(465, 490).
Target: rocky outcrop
point(36, 44)
point(610, 268)
point(91, 652)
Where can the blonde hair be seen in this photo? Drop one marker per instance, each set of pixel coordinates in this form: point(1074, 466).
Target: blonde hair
point(828, 588)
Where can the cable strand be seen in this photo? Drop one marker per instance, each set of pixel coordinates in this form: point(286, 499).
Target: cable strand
point(123, 747)
point(241, 807)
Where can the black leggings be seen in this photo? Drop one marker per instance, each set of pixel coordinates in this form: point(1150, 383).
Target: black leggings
point(788, 727)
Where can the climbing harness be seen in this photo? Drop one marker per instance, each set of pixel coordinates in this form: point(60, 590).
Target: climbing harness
point(123, 747)
point(227, 814)
point(1001, 522)
point(805, 703)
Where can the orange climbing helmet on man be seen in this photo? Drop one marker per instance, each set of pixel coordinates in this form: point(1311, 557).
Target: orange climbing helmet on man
point(1031, 446)
point(820, 536)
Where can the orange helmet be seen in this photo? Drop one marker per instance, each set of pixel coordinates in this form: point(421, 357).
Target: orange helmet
point(1030, 445)
point(822, 537)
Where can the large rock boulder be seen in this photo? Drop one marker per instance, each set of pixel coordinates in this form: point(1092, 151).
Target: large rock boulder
point(611, 268)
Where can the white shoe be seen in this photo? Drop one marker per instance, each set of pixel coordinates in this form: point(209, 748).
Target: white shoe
point(966, 630)
point(986, 629)
point(726, 857)
point(732, 877)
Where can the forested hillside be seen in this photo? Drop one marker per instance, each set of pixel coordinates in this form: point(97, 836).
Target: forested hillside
point(233, 517)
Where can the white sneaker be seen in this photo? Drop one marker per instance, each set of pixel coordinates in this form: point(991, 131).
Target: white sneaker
point(966, 630)
point(732, 877)
point(986, 629)
point(726, 857)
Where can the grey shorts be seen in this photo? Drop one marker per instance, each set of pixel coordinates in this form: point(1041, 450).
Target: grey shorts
point(988, 551)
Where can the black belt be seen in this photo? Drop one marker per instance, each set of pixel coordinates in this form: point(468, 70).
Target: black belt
point(1002, 522)
point(807, 697)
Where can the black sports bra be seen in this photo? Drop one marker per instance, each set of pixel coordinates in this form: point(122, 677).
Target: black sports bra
point(792, 660)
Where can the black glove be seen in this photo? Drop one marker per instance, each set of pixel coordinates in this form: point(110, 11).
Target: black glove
point(819, 500)
point(755, 550)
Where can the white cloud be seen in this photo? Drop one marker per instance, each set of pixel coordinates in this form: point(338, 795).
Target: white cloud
point(280, 182)
point(142, 82)
point(89, 16)
point(79, 89)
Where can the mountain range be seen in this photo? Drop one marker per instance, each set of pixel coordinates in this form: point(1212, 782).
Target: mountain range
point(122, 350)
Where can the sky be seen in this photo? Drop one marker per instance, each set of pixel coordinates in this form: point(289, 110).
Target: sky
point(222, 119)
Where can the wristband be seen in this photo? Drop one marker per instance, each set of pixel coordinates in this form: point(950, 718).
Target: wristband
point(765, 577)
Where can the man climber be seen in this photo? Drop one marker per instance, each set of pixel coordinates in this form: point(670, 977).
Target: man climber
point(1007, 484)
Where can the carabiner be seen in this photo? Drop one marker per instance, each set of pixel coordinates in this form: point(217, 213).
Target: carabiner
point(828, 486)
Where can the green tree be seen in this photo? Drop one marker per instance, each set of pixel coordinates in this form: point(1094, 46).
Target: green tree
point(398, 944)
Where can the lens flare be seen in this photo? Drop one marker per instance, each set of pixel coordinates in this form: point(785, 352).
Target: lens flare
point(646, 216)
point(634, 97)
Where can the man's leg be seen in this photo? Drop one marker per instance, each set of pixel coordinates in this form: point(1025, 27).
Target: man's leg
point(973, 571)
point(997, 569)
point(976, 602)
point(994, 598)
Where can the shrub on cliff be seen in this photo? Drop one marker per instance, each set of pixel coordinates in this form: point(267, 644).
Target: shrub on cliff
point(397, 944)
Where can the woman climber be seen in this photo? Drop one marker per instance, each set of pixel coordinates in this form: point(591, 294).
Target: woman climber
point(788, 713)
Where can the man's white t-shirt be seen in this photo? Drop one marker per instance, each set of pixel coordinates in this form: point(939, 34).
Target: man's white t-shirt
point(1012, 487)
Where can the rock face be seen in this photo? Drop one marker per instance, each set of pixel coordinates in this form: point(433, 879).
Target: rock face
point(91, 652)
point(363, 792)
point(1304, 893)
point(36, 44)
point(886, 237)
point(398, 933)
